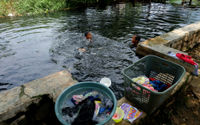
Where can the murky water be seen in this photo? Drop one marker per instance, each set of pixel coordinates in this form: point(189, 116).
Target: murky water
point(33, 47)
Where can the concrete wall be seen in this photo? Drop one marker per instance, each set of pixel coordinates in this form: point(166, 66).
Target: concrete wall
point(176, 41)
point(184, 38)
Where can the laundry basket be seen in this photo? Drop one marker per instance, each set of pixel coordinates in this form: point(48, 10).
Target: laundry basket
point(152, 67)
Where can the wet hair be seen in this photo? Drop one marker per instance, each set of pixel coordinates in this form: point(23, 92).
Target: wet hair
point(138, 38)
point(86, 33)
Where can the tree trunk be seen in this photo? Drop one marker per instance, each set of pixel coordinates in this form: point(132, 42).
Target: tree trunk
point(190, 3)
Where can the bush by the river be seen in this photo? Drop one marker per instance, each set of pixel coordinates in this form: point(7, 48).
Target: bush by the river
point(29, 7)
point(23, 7)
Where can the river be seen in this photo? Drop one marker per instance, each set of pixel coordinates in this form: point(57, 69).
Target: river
point(35, 46)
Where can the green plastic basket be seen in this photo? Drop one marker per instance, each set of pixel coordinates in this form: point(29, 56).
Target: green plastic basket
point(156, 67)
point(82, 87)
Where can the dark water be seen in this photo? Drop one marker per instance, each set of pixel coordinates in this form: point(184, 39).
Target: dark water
point(33, 47)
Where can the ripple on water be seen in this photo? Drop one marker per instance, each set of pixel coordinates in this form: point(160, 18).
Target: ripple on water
point(106, 57)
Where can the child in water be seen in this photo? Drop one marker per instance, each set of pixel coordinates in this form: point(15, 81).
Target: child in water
point(88, 36)
point(135, 40)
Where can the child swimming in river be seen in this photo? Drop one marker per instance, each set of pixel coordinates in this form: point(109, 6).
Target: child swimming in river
point(135, 40)
point(88, 36)
point(85, 44)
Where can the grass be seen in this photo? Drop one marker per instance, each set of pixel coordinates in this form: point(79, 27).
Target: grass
point(29, 7)
point(4, 7)
point(23, 7)
point(38, 6)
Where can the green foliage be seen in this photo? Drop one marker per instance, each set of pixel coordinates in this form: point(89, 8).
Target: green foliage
point(4, 7)
point(38, 6)
point(196, 2)
point(23, 7)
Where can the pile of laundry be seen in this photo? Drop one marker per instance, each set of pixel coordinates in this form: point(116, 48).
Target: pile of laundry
point(152, 83)
point(88, 108)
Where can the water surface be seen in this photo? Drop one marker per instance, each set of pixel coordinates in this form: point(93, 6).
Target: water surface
point(33, 47)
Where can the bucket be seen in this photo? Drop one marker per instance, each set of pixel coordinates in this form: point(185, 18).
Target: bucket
point(82, 87)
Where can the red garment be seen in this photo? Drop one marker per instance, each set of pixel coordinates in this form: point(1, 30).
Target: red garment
point(186, 58)
point(152, 79)
point(168, 85)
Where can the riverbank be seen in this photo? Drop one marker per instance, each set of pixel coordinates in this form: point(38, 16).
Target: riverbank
point(30, 7)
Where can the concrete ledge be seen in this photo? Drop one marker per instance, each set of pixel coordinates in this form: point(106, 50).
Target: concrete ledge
point(17, 100)
point(183, 38)
point(161, 51)
point(177, 41)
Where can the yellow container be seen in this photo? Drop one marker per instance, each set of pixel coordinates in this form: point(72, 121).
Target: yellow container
point(118, 116)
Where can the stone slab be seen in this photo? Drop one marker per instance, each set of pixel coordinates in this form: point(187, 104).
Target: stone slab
point(12, 102)
point(17, 100)
point(51, 85)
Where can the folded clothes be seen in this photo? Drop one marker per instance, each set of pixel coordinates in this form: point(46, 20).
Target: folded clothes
point(158, 85)
point(149, 86)
point(152, 83)
point(141, 80)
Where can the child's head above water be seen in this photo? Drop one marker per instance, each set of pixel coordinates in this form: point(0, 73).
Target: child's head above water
point(88, 35)
point(135, 39)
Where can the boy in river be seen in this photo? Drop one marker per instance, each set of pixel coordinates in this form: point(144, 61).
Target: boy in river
point(88, 36)
point(135, 40)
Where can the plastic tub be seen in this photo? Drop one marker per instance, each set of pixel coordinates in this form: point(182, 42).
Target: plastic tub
point(81, 87)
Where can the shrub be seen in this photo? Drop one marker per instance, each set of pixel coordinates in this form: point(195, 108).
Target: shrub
point(38, 6)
